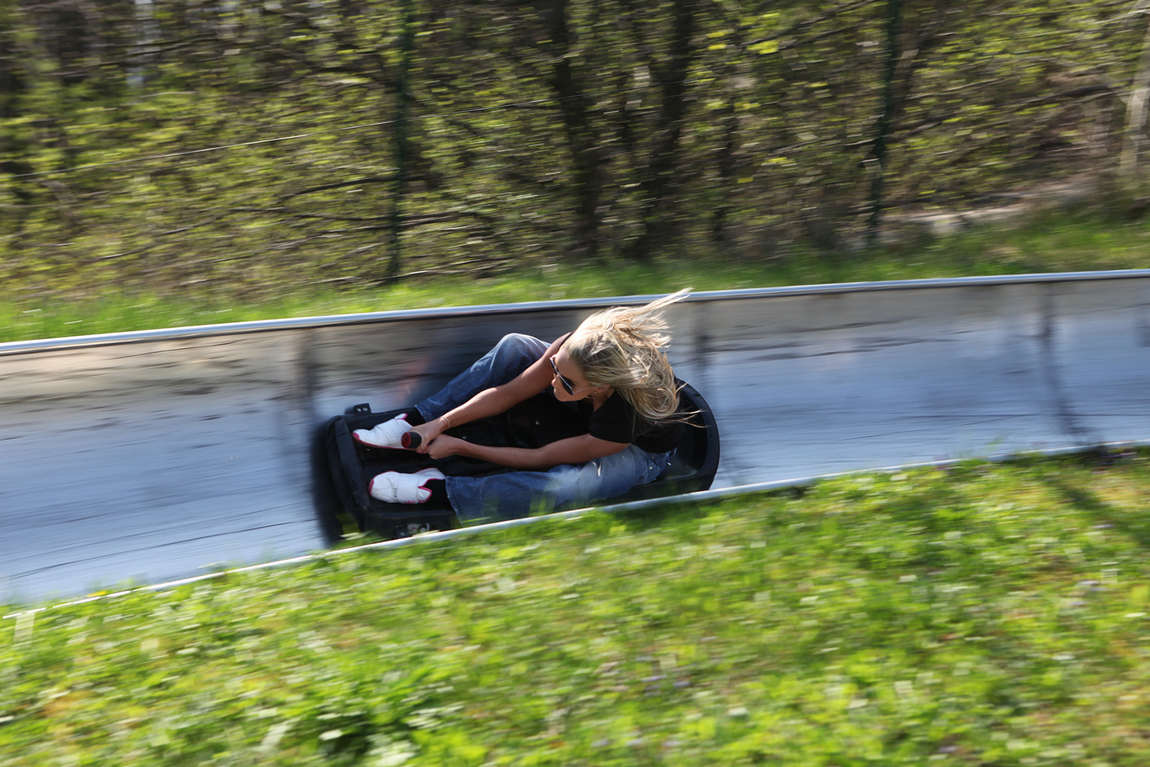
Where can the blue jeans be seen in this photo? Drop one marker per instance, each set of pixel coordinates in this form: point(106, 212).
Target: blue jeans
point(512, 494)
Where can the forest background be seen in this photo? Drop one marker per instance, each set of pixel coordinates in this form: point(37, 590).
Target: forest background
point(244, 149)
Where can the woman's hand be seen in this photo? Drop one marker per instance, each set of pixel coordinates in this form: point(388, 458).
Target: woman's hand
point(428, 433)
point(445, 445)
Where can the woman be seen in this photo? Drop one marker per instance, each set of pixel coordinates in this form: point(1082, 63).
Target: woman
point(611, 368)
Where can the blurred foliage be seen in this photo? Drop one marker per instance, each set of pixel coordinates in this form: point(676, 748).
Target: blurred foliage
point(1051, 241)
point(243, 149)
point(970, 616)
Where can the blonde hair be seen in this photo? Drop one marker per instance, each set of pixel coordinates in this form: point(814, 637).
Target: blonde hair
point(623, 348)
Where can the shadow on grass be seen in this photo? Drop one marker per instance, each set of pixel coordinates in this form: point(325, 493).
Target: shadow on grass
point(671, 513)
point(1135, 525)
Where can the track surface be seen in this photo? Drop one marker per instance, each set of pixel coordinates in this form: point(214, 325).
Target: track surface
point(155, 455)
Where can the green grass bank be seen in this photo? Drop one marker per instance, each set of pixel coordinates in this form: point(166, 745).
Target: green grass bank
point(1048, 242)
point(982, 615)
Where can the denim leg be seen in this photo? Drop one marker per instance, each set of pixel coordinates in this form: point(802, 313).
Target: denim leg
point(518, 493)
point(511, 356)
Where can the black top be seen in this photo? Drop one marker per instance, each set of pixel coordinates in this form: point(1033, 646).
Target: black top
point(617, 421)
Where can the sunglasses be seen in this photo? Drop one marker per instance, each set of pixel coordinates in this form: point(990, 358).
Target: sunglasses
point(567, 385)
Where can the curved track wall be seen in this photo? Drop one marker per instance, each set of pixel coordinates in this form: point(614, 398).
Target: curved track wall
point(160, 454)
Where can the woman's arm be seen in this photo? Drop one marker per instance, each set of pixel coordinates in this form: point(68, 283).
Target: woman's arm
point(579, 449)
point(495, 400)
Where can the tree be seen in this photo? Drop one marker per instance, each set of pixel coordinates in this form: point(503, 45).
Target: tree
point(660, 176)
point(1134, 136)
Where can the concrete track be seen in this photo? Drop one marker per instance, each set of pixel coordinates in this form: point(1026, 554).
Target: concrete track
point(162, 454)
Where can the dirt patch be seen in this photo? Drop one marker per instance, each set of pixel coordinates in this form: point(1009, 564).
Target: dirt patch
point(999, 208)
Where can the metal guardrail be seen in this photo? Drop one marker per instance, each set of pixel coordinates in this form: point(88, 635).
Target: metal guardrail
point(163, 454)
point(256, 326)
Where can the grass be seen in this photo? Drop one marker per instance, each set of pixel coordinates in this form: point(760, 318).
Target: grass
point(1047, 243)
point(985, 615)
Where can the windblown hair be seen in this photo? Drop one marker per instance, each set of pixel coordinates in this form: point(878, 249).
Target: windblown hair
point(623, 348)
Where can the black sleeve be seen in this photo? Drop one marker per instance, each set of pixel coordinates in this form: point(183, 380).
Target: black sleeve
point(615, 421)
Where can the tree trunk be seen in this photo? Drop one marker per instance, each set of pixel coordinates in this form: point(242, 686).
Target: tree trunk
point(726, 166)
point(13, 85)
point(903, 61)
point(659, 181)
point(574, 106)
point(886, 117)
point(402, 102)
point(1135, 134)
point(146, 35)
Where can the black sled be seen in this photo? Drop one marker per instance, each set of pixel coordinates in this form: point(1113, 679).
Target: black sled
point(352, 465)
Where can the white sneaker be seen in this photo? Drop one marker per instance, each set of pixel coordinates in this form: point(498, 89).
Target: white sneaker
point(393, 487)
point(386, 434)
